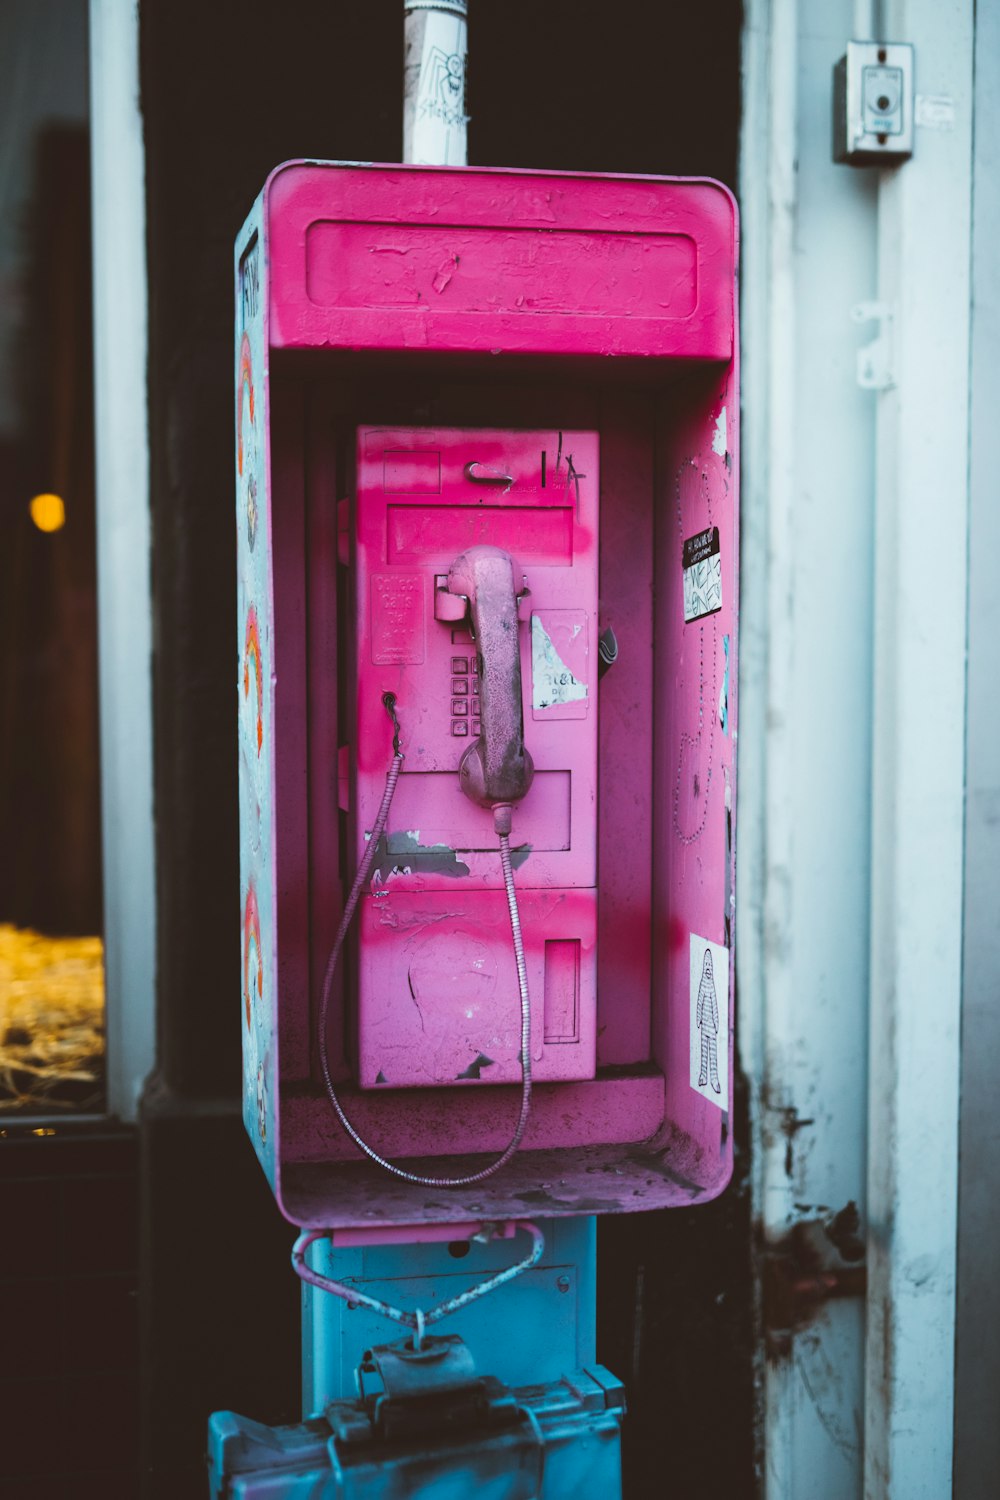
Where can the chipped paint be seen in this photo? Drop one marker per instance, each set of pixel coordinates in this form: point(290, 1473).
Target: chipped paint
point(475, 1068)
point(417, 858)
point(552, 682)
point(724, 690)
point(720, 442)
point(444, 273)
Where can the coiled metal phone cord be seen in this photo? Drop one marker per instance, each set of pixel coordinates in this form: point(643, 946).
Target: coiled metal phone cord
point(502, 824)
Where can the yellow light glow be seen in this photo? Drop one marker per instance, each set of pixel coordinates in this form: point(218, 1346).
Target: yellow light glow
point(48, 512)
point(51, 1019)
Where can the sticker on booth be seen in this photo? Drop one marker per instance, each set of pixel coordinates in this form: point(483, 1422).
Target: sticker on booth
point(702, 564)
point(710, 1020)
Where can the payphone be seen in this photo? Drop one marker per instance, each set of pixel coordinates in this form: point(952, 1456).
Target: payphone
point(475, 582)
point(486, 472)
point(438, 604)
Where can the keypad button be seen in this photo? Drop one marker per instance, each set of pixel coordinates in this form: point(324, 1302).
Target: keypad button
point(475, 728)
point(459, 706)
point(459, 688)
point(459, 664)
point(459, 727)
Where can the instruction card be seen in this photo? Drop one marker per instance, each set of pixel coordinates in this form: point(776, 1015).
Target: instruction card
point(710, 1020)
point(702, 564)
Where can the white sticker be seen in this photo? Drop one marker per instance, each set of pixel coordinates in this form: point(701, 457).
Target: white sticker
point(701, 560)
point(935, 111)
point(554, 684)
point(440, 119)
point(709, 1075)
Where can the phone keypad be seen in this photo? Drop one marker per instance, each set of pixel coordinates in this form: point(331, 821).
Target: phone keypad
point(465, 696)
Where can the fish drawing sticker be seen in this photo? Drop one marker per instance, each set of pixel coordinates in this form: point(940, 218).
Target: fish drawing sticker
point(709, 1073)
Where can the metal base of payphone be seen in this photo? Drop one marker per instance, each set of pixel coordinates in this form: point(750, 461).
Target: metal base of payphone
point(524, 1423)
point(425, 1423)
point(530, 1331)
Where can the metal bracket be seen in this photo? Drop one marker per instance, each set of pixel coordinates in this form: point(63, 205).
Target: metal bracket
point(418, 1320)
point(398, 1371)
point(875, 371)
point(431, 1404)
point(483, 474)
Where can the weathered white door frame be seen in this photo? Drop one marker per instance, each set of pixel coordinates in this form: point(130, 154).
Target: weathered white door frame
point(918, 775)
point(125, 621)
point(853, 737)
point(977, 1353)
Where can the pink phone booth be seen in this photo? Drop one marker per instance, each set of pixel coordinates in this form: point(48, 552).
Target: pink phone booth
point(487, 511)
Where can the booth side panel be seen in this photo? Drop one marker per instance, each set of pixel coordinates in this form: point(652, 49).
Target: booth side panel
point(695, 770)
point(290, 769)
point(255, 690)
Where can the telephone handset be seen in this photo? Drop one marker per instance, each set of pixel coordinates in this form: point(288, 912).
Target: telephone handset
point(496, 768)
point(475, 589)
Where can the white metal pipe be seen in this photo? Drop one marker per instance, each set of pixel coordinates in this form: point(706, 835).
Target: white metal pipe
point(123, 548)
point(435, 50)
point(867, 21)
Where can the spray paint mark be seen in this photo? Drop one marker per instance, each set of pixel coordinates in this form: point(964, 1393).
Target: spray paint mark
point(573, 477)
point(253, 963)
point(253, 671)
point(244, 382)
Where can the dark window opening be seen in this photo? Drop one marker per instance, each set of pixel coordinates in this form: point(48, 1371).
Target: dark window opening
point(51, 929)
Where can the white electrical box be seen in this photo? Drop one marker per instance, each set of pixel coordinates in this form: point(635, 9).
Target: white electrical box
point(873, 104)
